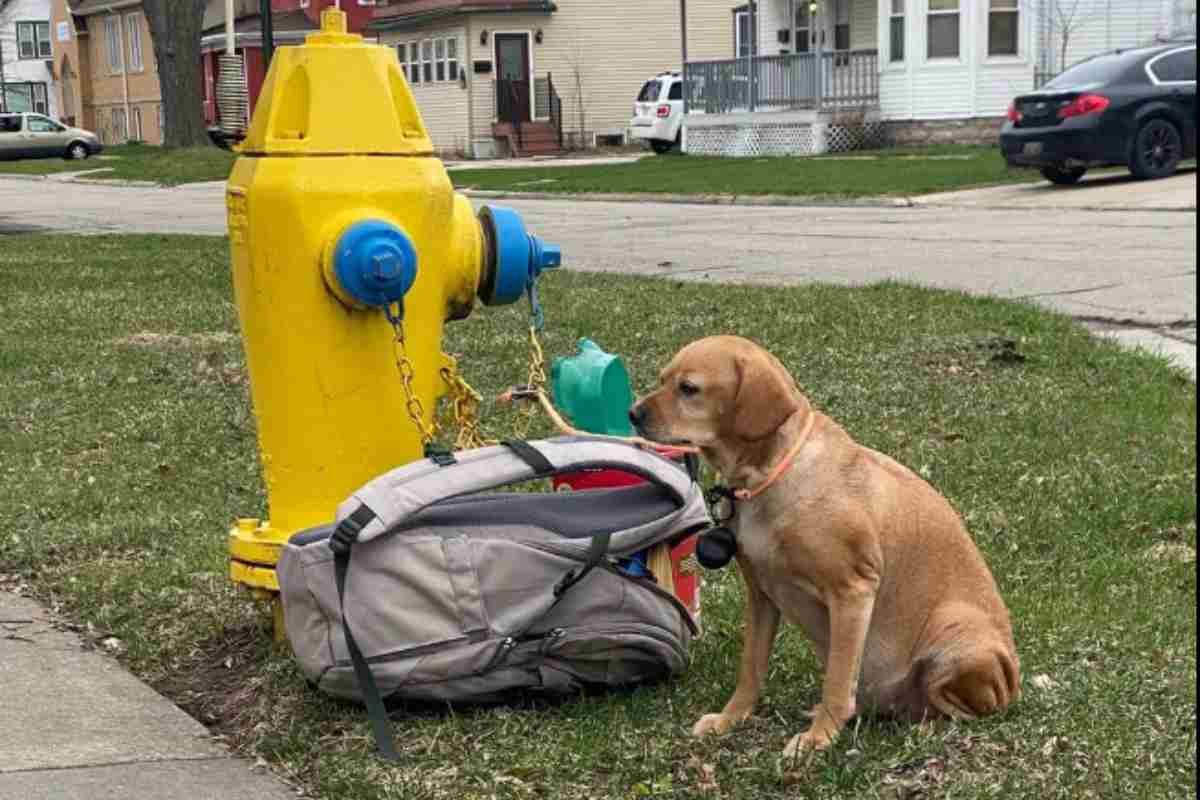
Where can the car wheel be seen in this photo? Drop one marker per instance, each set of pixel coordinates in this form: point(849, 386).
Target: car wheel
point(77, 151)
point(1063, 176)
point(1157, 148)
point(661, 146)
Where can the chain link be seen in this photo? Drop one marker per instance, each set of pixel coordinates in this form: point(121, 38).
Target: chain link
point(413, 405)
point(535, 383)
point(464, 401)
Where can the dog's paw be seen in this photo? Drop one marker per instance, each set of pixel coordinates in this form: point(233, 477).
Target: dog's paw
point(810, 741)
point(715, 724)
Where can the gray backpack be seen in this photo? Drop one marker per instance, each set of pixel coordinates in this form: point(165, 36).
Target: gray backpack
point(428, 587)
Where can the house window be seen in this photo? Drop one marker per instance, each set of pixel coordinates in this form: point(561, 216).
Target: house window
point(743, 36)
point(112, 38)
point(430, 60)
point(1003, 24)
point(841, 25)
point(120, 130)
point(452, 59)
point(896, 46)
point(133, 33)
point(33, 40)
point(137, 124)
point(803, 27)
point(25, 96)
point(366, 2)
point(162, 120)
point(942, 29)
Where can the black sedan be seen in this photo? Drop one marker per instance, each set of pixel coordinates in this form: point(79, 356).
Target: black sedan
point(1134, 108)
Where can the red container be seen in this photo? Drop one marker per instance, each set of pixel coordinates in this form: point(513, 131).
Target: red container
point(687, 581)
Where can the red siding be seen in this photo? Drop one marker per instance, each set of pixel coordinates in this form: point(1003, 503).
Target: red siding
point(255, 75)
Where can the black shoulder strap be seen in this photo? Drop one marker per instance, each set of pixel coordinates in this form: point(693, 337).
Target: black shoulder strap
point(341, 543)
point(531, 456)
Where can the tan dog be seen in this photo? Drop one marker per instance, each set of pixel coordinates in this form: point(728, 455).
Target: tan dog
point(869, 559)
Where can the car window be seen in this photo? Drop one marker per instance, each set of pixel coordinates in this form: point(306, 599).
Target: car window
point(1178, 66)
point(649, 93)
point(43, 125)
point(10, 124)
point(1092, 73)
point(676, 92)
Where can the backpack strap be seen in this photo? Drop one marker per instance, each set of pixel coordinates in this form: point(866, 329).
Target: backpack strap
point(396, 496)
point(341, 543)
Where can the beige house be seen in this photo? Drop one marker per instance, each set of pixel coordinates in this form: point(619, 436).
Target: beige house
point(475, 66)
point(107, 74)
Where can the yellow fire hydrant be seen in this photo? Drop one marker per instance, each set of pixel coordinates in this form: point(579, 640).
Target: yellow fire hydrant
point(342, 224)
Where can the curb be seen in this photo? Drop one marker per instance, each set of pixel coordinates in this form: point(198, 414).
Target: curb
point(697, 199)
point(52, 177)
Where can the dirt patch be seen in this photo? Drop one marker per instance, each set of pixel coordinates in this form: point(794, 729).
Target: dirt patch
point(217, 686)
point(178, 340)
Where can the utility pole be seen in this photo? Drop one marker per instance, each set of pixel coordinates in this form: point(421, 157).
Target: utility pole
point(268, 33)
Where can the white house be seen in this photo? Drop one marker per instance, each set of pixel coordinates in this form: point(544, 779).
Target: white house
point(27, 80)
point(813, 75)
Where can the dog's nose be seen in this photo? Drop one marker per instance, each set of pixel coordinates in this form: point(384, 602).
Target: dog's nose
point(637, 415)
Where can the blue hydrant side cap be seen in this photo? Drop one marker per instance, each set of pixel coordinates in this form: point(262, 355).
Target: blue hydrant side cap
point(375, 262)
point(519, 257)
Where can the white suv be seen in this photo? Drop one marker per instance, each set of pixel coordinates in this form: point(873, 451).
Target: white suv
point(658, 112)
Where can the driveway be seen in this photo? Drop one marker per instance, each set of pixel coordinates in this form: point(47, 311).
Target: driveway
point(1103, 192)
point(1125, 271)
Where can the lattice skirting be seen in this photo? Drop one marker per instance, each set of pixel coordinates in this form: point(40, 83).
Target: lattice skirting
point(747, 140)
point(857, 136)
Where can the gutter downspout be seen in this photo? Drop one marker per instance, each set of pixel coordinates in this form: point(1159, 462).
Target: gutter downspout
point(124, 71)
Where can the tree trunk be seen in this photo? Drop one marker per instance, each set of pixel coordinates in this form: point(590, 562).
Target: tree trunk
point(175, 27)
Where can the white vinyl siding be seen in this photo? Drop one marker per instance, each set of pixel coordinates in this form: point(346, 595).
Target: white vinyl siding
point(597, 65)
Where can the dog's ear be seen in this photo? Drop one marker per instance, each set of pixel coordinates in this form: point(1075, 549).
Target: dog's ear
point(766, 395)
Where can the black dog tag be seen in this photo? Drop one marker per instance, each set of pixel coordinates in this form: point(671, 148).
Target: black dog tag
point(716, 547)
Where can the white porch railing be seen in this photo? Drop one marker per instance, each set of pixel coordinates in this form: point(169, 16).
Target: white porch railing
point(829, 81)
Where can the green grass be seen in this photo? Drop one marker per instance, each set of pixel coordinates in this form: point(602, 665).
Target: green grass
point(123, 460)
point(138, 162)
point(888, 172)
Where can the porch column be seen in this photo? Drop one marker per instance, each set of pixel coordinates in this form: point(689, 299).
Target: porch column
point(683, 68)
point(752, 78)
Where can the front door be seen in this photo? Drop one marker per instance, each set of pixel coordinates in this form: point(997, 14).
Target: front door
point(513, 89)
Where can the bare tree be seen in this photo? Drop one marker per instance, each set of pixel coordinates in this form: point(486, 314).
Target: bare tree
point(1064, 18)
point(175, 27)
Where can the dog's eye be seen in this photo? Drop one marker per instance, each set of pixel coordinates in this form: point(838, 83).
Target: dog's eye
point(688, 389)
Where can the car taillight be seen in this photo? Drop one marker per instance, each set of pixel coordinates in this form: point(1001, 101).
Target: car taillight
point(1084, 104)
point(1013, 114)
point(664, 110)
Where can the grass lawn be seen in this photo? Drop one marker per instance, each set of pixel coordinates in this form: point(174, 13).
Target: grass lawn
point(138, 162)
point(885, 172)
point(125, 456)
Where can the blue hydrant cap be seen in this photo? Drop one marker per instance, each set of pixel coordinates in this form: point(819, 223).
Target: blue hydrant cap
point(375, 262)
point(518, 257)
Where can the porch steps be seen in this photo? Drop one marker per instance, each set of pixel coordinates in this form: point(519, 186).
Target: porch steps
point(537, 138)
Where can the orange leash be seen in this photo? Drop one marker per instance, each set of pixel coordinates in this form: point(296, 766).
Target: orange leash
point(782, 466)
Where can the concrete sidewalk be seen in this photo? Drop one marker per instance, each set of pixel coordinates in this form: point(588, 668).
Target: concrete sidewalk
point(74, 725)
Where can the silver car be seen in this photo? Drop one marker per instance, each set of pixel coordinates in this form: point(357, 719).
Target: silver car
point(26, 135)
